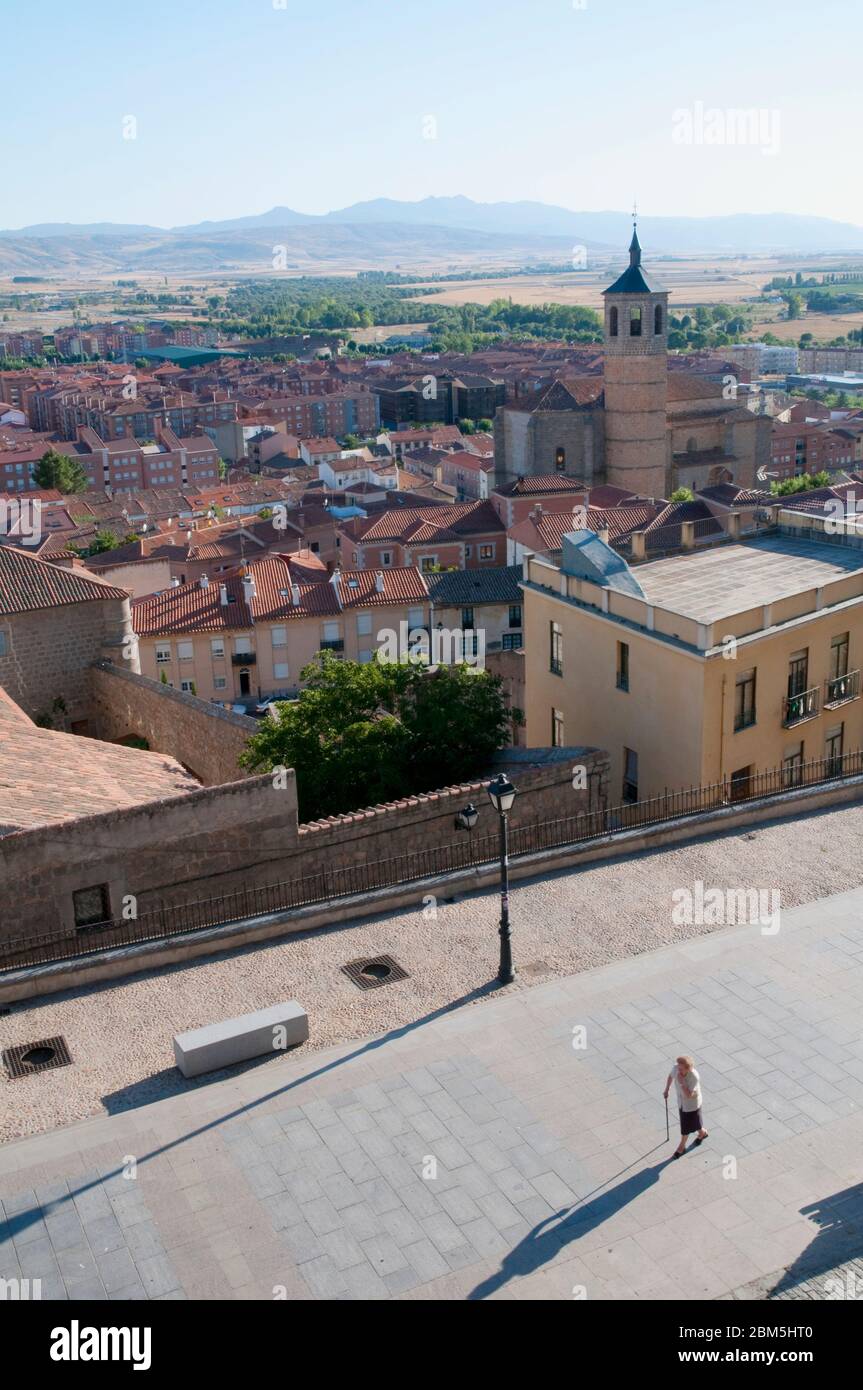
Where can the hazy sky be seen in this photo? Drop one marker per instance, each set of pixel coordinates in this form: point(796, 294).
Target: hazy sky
point(241, 105)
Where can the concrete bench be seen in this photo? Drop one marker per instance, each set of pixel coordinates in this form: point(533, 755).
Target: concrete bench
point(238, 1039)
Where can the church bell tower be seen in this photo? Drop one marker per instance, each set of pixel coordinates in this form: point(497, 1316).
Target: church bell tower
point(636, 380)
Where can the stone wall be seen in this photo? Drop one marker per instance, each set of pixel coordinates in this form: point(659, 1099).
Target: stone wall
point(543, 777)
point(47, 655)
point(190, 848)
point(526, 443)
point(206, 739)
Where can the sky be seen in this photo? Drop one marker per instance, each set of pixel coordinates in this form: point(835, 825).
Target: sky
point(237, 106)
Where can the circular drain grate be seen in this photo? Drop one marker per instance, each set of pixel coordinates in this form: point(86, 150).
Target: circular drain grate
point(27, 1058)
point(374, 972)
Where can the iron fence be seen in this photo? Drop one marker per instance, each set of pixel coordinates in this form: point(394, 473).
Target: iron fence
point(469, 850)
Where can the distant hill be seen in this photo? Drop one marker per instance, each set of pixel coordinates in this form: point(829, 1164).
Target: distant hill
point(385, 232)
point(373, 245)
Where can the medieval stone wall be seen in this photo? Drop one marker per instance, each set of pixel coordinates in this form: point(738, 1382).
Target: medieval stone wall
point(205, 738)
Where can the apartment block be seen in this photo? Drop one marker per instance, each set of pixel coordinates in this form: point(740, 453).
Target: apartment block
point(716, 664)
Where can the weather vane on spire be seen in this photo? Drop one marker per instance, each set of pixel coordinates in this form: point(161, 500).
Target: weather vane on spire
point(634, 212)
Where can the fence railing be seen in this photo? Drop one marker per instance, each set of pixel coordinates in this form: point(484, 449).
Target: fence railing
point(469, 850)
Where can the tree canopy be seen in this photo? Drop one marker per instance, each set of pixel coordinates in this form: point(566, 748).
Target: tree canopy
point(364, 733)
point(60, 472)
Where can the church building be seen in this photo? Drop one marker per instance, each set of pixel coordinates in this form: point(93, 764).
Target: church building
point(641, 427)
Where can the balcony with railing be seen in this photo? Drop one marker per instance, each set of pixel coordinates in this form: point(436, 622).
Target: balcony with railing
point(841, 689)
point(332, 644)
point(796, 708)
point(243, 658)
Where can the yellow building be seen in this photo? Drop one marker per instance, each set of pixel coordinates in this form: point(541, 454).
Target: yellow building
point(718, 663)
point(249, 637)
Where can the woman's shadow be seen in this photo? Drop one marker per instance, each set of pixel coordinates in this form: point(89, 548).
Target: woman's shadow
point(560, 1229)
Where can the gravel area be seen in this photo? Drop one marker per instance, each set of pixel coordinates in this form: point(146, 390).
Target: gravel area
point(120, 1036)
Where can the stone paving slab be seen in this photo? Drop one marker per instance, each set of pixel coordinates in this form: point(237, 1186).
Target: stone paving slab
point(512, 1150)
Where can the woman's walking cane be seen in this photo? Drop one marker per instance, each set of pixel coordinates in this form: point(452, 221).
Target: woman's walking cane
point(667, 1130)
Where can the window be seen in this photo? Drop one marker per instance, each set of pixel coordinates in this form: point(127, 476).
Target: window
point(612, 322)
point(163, 652)
point(744, 701)
point(331, 632)
point(314, 547)
point(467, 617)
point(798, 673)
point(279, 636)
point(415, 618)
point(386, 558)
point(243, 646)
point(792, 766)
point(839, 656)
point(635, 321)
point(741, 781)
point(427, 564)
point(833, 749)
point(187, 686)
point(657, 319)
point(630, 775)
point(219, 682)
point(560, 459)
point(185, 650)
point(217, 646)
point(92, 907)
point(486, 552)
point(2, 643)
point(623, 665)
point(514, 615)
point(364, 624)
point(556, 653)
point(557, 729)
point(511, 641)
point(280, 670)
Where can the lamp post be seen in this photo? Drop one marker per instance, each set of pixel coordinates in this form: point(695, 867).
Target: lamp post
point(502, 795)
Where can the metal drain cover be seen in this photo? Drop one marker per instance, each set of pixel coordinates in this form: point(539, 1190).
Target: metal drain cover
point(374, 972)
point(27, 1058)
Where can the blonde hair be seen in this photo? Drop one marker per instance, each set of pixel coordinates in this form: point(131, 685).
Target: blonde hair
point(688, 1062)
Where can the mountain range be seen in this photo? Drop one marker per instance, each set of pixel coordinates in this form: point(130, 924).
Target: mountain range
point(382, 230)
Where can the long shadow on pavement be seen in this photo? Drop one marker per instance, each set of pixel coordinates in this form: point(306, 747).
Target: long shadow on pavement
point(547, 1238)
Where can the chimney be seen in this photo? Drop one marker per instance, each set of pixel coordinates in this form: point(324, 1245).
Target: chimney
point(223, 595)
point(379, 583)
point(175, 583)
point(205, 581)
point(336, 580)
point(295, 595)
point(248, 587)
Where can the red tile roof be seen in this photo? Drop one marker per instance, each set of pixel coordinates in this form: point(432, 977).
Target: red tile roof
point(28, 585)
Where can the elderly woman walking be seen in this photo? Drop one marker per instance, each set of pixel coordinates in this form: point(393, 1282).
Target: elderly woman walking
point(688, 1084)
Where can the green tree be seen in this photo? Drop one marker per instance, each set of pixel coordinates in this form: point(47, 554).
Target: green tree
point(60, 472)
point(682, 494)
point(363, 733)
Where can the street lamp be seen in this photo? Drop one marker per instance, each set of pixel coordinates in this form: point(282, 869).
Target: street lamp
point(466, 819)
point(502, 795)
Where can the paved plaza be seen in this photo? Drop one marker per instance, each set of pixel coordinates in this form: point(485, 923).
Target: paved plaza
point(512, 1150)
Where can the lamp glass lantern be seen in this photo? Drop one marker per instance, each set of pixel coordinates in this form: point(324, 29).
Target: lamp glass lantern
point(502, 794)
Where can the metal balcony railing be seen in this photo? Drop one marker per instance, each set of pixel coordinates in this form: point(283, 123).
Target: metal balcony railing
point(243, 658)
point(332, 644)
point(841, 689)
point(800, 707)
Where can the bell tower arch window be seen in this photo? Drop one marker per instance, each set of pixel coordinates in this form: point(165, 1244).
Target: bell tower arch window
point(612, 322)
point(657, 319)
point(635, 321)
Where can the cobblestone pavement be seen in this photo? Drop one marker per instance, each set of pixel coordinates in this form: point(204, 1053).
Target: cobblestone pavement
point(499, 1152)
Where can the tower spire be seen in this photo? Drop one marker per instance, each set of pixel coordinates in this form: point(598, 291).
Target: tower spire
point(634, 246)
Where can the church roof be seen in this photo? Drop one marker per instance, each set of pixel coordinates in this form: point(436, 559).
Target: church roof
point(634, 280)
